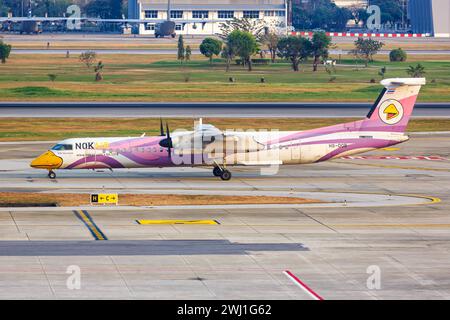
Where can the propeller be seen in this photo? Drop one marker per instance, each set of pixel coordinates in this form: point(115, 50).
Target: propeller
point(167, 142)
point(161, 128)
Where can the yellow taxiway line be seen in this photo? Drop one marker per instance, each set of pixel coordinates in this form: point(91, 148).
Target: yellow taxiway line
point(156, 222)
point(84, 216)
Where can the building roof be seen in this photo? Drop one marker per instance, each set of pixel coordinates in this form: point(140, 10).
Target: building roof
point(214, 4)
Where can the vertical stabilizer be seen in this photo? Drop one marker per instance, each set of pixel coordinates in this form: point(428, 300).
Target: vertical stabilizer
point(394, 106)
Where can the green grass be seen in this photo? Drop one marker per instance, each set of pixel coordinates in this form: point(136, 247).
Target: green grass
point(32, 129)
point(139, 78)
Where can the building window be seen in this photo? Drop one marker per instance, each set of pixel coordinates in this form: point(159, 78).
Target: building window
point(176, 14)
point(251, 14)
point(149, 26)
point(280, 13)
point(269, 13)
point(178, 27)
point(151, 14)
point(200, 14)
point(226, 14)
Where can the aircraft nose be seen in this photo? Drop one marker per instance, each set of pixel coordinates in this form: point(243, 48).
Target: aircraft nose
point(47, 160)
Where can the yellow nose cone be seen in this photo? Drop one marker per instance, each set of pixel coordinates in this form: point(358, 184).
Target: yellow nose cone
point(47, 160)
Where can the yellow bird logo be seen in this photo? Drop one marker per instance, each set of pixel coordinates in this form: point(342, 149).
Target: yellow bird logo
point(391, 112)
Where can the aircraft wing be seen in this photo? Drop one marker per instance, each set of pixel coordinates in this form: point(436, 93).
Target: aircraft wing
point(208, 137)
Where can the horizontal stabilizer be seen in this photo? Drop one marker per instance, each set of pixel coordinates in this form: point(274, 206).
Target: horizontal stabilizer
point(396, 82)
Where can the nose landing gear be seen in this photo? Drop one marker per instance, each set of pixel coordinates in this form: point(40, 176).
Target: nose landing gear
point(51, 174)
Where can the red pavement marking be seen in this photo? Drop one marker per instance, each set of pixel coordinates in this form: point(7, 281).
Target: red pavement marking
point(302, 285)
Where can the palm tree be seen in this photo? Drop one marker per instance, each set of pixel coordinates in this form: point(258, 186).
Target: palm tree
point(417, 71)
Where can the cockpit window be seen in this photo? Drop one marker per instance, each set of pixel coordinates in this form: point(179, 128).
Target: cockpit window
point(61, 147)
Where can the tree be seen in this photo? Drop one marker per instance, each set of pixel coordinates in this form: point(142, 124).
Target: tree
point(88, 58)
point(295, 49)
point(365, 49)
point(53, 8)
point(5, 50)
point(416, 71)
point(98, 71)
point(181, 50)
point(359, 14)
point(244, 45)
point(398, 55)
point(271, 41)
point(320, 43)
point(391, 10)
point(323, 14)
point(52, 77)
point(382, 72)
point(228, 54)
point(254, 26)
point(3, 9)
point(210, 47)
point(187, 53)
point(106, 9)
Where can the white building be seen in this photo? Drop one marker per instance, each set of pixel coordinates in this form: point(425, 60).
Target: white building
point(214, 12)
point(351, 3)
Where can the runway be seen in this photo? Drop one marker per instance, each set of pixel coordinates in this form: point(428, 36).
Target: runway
point(195, 110)
point(331, 249)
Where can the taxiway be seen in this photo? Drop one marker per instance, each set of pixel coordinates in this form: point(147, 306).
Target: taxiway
point(332, 249)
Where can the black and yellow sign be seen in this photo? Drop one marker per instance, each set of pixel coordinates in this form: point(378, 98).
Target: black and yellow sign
point(105, 198)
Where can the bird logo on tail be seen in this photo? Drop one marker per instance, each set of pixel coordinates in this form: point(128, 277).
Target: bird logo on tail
point(391, 112)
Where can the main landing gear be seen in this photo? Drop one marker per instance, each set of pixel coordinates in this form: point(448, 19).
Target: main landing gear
point(223, 173)
point(51, 174)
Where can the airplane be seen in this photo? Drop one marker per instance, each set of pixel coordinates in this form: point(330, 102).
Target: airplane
point(384, 126)
point(163, 27)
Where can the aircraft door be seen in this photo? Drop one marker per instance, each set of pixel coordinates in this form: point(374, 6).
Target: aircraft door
point(90, 157)
point(295, 151)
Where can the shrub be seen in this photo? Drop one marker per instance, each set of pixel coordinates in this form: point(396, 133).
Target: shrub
point(88, 58)
point(5, 50)
point(416, 71)
point(398, 55)
point(264, 61)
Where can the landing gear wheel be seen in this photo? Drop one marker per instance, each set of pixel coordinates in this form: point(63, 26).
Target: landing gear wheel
point(225, 175)
point(51, 175)
point(217, 171)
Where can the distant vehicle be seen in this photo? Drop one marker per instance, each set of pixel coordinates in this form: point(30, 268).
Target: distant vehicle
point(163, 27)
point(384, 126)
point(166, 28)
point(30, 27)
point(26, 26)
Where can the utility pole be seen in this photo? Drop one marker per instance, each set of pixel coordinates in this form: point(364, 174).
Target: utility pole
point(403, 14)
point(168, 10)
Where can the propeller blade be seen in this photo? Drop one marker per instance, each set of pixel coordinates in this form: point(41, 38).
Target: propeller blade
point(161, 127)
point(169, 141)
